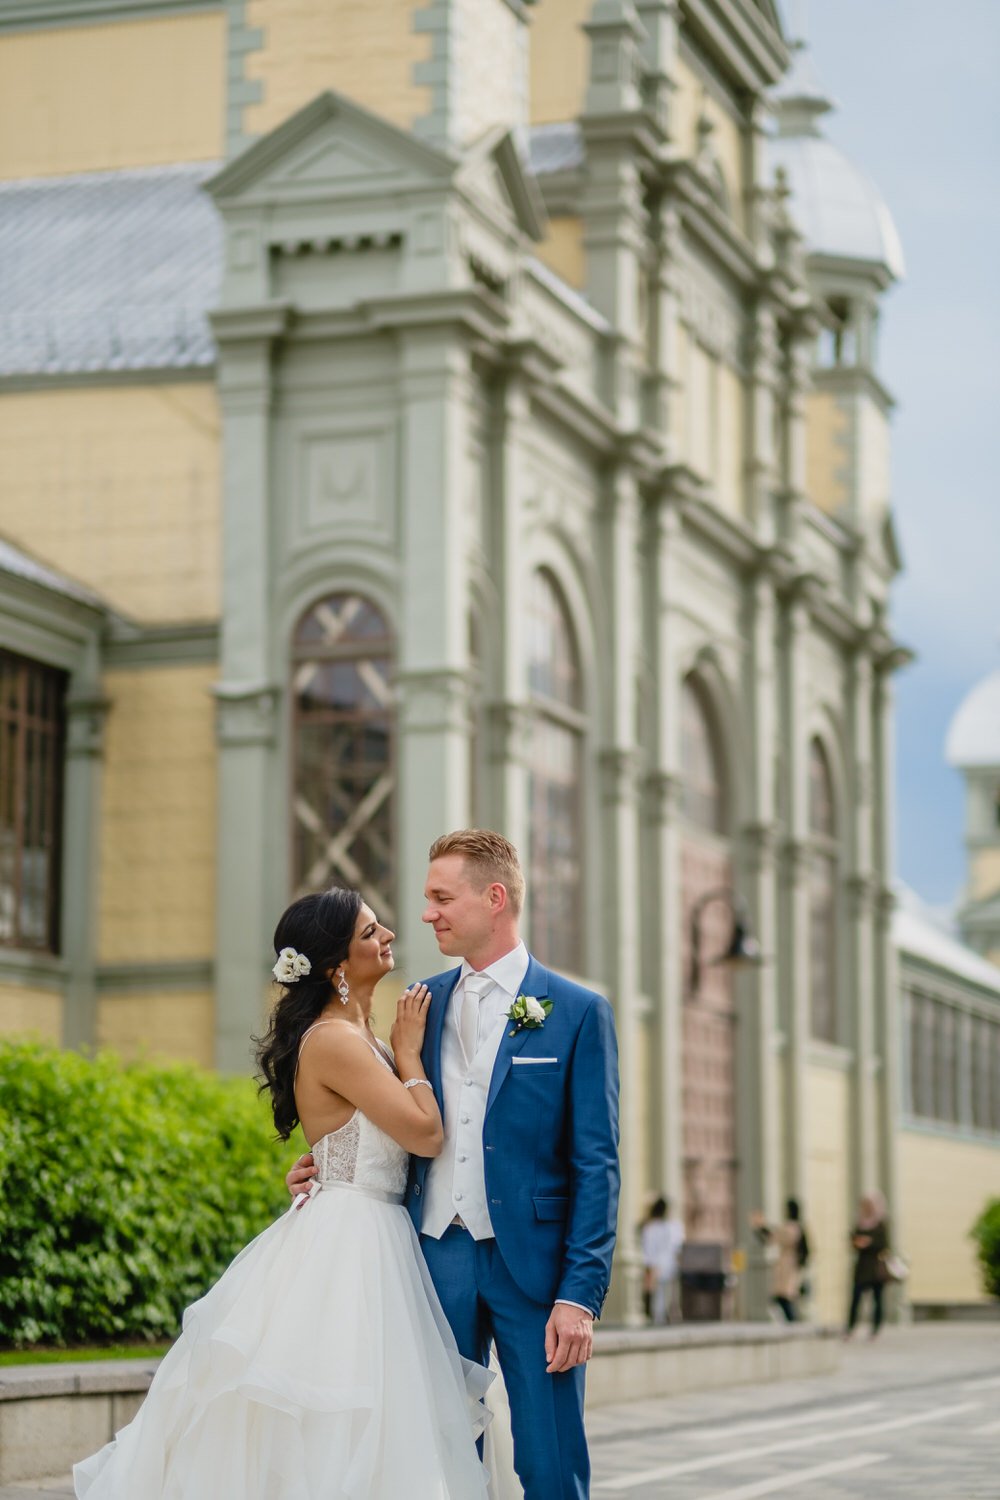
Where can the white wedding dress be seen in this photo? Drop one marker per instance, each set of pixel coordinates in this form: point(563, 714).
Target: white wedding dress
point(319, 1367)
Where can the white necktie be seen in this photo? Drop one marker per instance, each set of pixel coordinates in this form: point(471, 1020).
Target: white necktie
point(477, 987)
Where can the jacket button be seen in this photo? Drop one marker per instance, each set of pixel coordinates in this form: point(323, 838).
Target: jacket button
point(416, 1190)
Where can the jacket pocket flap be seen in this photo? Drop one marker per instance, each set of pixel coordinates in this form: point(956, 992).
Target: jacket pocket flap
point(551, 1208)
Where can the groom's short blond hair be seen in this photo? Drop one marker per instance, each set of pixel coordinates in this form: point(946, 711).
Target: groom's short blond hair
point(489, 858)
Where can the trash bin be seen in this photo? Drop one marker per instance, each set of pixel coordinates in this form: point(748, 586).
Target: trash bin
point(704, 1270)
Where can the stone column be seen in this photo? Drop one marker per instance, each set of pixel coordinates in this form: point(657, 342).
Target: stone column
point(861, 893)
point(665, 940)
point(888, 999)
point(86, 713)
point(434, 602)
point(510, 726)
point(614, 219)
point(621, 896)
point(758, 1110)
point(247, 696)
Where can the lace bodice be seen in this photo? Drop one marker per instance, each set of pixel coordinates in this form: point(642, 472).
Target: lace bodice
point(359, 1152)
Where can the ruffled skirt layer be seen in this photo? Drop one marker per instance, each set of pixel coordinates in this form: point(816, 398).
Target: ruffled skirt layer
point(319, 1367)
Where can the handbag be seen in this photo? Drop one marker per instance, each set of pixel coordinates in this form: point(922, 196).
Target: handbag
point(894, 1267)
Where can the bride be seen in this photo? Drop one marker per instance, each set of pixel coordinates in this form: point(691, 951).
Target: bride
point(320, 1366)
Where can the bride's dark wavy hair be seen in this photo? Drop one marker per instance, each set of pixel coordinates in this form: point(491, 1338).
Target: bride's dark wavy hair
point(321, 927)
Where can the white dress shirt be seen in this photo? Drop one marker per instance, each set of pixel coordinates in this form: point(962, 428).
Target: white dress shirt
point(455, 1186)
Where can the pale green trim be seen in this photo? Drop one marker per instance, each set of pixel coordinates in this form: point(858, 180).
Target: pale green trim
point(967, 1134)
point(178, 974)
point(240, 91)
point(194, 644)
point(76, 379)
point(31, 970)
point(47, 15)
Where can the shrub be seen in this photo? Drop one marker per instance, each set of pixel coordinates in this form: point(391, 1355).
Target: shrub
point(986, 1233)
point(124, 1191)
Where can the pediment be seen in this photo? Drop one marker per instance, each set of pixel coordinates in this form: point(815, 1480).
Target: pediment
point(332, 147)
point(497, 175)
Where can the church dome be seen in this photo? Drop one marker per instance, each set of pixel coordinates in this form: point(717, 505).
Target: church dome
point(840, 211)
point(974, 733)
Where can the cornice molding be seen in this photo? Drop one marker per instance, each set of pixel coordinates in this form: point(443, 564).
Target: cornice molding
point(175, 974)
point(187, 644)
point(739, 35)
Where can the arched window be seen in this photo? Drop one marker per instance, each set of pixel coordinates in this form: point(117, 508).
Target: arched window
point(703, 796)
point(344, 826)
point(555, 806)
point(822, 897)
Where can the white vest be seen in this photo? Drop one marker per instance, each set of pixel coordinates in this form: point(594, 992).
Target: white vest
point(456, 1180)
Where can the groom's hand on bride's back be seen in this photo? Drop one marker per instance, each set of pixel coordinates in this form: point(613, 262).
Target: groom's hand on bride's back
point(298, 1179)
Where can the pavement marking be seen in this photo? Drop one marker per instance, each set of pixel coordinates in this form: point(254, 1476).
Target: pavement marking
point(801, 1476)
point(719, 1460)
point(826, 1414)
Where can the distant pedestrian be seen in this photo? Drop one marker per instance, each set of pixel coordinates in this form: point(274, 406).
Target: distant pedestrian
point(870, 1238)
point(662, 1238)
point(793, 1256)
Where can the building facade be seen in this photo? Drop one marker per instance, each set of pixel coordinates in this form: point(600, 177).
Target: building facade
point(438, 412)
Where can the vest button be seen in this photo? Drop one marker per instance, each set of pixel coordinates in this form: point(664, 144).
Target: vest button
point(465, 1119)
point(462, 1156)
point(458, 1197)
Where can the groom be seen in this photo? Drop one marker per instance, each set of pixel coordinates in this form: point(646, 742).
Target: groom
point(517, 1215)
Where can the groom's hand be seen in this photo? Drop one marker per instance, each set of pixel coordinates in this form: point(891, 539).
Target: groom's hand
point(569, 1338)
point(301, 1175)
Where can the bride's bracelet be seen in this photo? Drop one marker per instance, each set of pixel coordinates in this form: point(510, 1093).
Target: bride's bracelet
point(411, 1083)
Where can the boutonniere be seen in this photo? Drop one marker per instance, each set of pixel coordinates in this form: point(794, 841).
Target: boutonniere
point(528, 1014)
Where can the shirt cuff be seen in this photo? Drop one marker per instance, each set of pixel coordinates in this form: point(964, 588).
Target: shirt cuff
point(565, 1302)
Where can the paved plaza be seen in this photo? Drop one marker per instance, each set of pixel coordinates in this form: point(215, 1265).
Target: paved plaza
point(915, 1413)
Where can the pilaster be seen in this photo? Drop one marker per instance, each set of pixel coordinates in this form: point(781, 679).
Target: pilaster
point(247, 699)
point(621, 897)
point(435, 479)
point(86, 715)
point(862, 890)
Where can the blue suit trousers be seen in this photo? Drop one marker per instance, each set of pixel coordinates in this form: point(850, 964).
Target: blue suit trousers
point(483, 1302)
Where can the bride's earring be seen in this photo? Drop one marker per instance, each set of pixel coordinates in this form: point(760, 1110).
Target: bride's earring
point(343, 989)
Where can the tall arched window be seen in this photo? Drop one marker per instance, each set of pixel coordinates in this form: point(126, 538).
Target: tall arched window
point(708, 1107)
point(822, 898)
point(343, 829)
point(555, 840)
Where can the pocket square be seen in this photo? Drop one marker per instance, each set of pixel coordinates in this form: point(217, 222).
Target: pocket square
point(527, 1061)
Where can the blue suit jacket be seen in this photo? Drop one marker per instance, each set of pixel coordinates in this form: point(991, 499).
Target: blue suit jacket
point(550, 1140)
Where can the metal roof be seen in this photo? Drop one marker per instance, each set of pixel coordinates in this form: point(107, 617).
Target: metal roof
point(555, 148)
point(108, 271)
point(919, 933)
point(22, 565)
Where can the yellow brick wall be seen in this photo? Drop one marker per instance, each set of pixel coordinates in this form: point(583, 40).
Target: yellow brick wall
point(943, 1186)
point(562, 251)
point(178, 1024)
point(30, 1012)
point(119, 486)
point(827, 1204)
point(560, 57)
point(984, 873)
point(97, 98)
point(828, 455)
point(366, 51)
point(158, 835)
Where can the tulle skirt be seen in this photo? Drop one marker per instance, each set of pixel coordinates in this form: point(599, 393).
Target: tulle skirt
point(319, 1367)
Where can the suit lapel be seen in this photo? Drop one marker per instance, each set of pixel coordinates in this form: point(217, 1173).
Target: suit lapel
point(441, 991)
point(536, 983)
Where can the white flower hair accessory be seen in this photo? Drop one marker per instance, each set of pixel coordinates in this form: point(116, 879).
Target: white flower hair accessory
point(291, 966)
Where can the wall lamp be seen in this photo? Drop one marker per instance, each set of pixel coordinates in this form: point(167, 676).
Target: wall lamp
point(742, 950)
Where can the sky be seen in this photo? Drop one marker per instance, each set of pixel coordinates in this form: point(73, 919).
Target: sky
point(917, 89)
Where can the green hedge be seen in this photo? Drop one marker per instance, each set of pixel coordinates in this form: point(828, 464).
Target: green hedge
point(124, 1191)
point(986, 1233)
